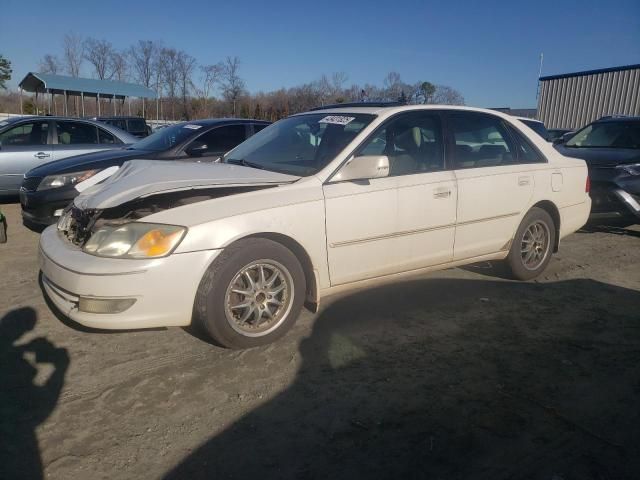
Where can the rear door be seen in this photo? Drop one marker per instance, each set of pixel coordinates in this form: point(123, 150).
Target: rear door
point(73, 137)
point(23, 147)
point(494, 189)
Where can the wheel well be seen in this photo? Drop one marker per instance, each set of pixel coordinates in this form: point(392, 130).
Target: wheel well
point(553, 211)
point(311, 299)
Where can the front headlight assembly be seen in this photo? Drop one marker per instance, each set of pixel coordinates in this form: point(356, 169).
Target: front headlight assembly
point(630, 169)
point(65, 179)
point(134, 240)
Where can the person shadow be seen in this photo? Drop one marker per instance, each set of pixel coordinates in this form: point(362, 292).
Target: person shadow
point(25, 401)
point(451, 379)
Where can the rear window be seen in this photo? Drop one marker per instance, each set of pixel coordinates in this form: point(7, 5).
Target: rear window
point(537, 127)
point(137, 125)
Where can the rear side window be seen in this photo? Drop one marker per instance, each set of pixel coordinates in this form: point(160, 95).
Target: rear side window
point(26, 134)
point(106, 137)
point(526, 153)
point(537, 127)
point(223, 139)
point(480, 141)
point(137, 125)
point(76, 133)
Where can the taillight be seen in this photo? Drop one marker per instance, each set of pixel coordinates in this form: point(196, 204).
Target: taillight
point(587, 187)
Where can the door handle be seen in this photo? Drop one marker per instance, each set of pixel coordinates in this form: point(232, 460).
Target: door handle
point(442, 193)
point(522, 181)
point(42, 155)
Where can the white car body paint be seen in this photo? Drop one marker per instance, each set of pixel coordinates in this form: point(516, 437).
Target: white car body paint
point(354, 233)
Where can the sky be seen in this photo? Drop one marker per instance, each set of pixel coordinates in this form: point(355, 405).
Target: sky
point(488, 50)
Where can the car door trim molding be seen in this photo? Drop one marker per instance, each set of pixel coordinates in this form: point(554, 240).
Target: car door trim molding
point(405, 233)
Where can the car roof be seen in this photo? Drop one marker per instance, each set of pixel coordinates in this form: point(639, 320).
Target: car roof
point(216, 121)
point(528, 119)
point(618, 118)
point(390, 110)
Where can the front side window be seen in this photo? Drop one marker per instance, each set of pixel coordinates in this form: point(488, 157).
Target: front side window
point(412, 142)
point(300, 145)
point(76, 133)
point(25, 134)
point(223, 139)
point(479, 141)
point(612, 134)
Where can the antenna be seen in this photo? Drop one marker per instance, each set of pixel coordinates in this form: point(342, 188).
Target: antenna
point(539, 75)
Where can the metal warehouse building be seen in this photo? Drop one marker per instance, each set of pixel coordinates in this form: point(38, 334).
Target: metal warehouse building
point(574, 99)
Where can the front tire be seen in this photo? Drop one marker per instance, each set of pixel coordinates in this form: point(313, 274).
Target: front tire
point(532, 245)
point(251, 294)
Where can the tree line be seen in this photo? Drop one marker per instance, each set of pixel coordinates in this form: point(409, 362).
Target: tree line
point(188, 89)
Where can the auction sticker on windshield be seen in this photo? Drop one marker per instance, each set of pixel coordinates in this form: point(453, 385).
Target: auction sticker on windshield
point(337, 119)
point(192, 127)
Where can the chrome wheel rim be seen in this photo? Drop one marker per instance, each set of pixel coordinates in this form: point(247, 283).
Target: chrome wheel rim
point(535, 245)
point(259, 298)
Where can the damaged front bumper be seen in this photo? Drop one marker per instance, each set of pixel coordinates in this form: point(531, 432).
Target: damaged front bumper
point(142, 293)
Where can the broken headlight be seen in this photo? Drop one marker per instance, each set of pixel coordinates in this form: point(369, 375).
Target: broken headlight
point(134, 240)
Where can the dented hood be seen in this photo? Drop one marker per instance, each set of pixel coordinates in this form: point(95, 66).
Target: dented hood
point(142, 178)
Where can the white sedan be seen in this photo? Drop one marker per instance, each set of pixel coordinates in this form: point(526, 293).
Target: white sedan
point(321, 201)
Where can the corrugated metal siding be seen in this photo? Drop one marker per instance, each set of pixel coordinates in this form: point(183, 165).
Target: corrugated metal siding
point(574, 101)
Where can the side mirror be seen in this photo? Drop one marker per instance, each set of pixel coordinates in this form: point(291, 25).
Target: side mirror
point(196, 149)
point(363, 168)
point(563, 139)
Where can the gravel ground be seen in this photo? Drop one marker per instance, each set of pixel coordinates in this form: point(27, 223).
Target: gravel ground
point(457, 374)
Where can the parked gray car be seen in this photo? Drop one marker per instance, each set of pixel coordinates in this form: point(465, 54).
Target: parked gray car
point(26, 142)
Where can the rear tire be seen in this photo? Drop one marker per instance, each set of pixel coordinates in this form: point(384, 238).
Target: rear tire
point(532, 245)
point(251, 294)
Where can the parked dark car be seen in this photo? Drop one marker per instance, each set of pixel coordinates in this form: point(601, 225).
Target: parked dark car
point(136, 126)
point(557, 133)
point(26, 142)
point(46, 190)
point(611, 148)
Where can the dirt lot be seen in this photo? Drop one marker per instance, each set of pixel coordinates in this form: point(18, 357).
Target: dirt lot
point(459, 374)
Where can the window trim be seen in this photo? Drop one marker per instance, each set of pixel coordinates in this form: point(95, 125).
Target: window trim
point(444, 146)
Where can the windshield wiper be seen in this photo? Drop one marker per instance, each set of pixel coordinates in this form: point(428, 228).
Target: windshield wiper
point(244, 163)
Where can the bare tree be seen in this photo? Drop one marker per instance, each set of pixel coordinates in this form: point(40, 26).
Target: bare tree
point(143, 56)
point(99, 53)
point(338, 79)
point(211, 76)
point(73, 53)
point(170, 75)
point(445, 95)
point(232, 85)
point(392, 86)
point(119, 65)
point(50, 64)
point(186, 66)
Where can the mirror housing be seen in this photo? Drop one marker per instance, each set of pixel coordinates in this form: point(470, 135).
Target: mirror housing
point(363, 168)
point(196, 149)
point(563, 139)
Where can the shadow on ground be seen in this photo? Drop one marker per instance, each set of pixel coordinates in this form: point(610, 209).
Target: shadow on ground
point(25, 399)
point(451, 379)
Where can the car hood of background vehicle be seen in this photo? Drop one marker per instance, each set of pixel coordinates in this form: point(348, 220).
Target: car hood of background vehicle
point(88, 161)
point(142, 178)
point(600, 157)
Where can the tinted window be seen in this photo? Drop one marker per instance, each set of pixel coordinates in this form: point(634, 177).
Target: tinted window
point(301, 145)
point(223, 139)
point(25, 134)
point(623, 134)
point(259, 126)
point(413, 143)
point(537, 127)
point(480, 141)
point(526, 152)
point(137, 125)
point(168, 137)
point(76, 133)
point(106, 137)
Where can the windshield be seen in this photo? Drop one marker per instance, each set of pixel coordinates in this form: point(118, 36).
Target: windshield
point(301, 145)
point(168, 137)
point(623, 134)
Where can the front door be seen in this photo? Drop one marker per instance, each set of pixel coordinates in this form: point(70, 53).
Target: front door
point(22, 148)
point(398, 223)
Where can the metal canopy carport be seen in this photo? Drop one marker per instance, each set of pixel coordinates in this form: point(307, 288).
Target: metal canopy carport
point(81, 87)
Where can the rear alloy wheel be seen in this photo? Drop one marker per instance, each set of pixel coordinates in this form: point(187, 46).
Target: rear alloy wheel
point(251, 294)
point(532, 246)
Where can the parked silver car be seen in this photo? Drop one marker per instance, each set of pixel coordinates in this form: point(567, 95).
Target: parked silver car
point(26, 142)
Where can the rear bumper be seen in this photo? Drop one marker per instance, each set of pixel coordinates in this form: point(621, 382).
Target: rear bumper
point(160, 298)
